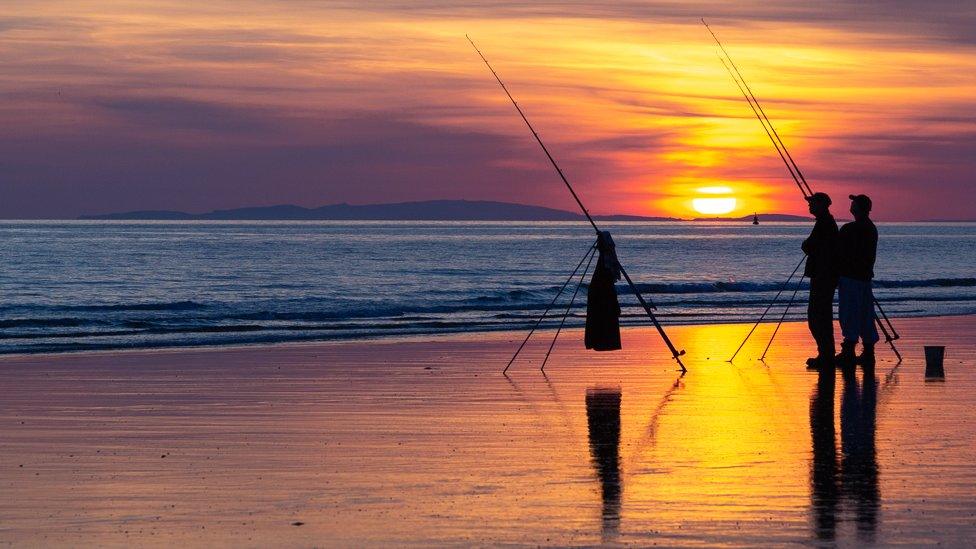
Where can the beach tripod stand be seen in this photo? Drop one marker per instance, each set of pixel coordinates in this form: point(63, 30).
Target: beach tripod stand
point(886, 327)
point(646, 304)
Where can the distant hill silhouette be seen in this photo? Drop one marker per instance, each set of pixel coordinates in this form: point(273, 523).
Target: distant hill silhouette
point(428, 210)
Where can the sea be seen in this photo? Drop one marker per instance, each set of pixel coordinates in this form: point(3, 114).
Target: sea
point(91, 285)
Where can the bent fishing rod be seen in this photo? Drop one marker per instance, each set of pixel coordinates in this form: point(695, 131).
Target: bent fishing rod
point(795, 173)
point(675, 353)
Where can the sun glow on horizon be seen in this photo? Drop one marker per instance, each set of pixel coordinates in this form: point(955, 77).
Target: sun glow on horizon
point(714, 206)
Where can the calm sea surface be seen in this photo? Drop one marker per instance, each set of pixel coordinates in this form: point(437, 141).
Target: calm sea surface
point(71, 285)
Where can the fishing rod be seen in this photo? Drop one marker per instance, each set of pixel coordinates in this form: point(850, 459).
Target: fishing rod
point(794, 170)
point(763, 119)
point(675, 353)
point(776, 145)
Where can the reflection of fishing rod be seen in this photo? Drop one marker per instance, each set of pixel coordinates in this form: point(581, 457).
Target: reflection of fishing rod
point(650, 432)
point(794, 170)
point(675, 353)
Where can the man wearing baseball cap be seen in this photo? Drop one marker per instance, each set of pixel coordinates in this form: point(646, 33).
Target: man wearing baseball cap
point(821, 268)
point(857, 249)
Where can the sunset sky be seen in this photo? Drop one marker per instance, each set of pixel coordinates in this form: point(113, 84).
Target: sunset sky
point(125, 105)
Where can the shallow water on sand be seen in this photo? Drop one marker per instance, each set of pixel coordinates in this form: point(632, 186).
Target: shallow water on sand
point(424, 442)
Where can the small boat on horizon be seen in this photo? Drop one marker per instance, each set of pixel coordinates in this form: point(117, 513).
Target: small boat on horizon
point(755, 218)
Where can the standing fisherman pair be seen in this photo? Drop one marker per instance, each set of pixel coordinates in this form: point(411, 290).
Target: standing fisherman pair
point(841, 260)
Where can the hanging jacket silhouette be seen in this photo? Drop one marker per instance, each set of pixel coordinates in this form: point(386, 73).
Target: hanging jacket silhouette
point(602, 306)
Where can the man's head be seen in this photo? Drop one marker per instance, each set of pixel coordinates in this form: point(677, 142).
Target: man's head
point(860, 206)
point(819, 204)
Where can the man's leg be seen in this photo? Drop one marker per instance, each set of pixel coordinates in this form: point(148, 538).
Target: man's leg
point(847, 313)
point(820, 315)
point(867, 329)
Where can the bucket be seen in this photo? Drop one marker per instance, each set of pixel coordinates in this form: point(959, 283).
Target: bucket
point(934, 355)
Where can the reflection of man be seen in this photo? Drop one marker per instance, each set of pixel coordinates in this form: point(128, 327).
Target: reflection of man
point(859, 461)
point(822, 272)
point(857, 247)
point(823, 471)
point(853, 479)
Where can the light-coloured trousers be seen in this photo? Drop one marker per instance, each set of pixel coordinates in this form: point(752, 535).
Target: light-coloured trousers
point(855, 310)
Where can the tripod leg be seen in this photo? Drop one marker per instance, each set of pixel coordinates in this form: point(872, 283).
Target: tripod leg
point(894, 333)
point(589, 254)
point(568, 308)
point(647, 308)
point(888, 338)
point(768, 307)
point(780, 323)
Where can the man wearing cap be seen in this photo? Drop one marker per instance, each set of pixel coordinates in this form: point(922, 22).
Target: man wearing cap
point(857, 247)
point(821, 269)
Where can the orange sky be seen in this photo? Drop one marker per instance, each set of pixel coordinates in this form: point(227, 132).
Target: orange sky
point(193, 106)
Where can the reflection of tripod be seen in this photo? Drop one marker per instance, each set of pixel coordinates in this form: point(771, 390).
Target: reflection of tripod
point(887, 328)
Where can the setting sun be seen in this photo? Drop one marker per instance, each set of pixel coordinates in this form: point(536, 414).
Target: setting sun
point(713, 206)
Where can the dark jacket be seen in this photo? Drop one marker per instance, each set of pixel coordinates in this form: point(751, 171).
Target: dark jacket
point(602, 331)
point(857, 246)
point(821, 249)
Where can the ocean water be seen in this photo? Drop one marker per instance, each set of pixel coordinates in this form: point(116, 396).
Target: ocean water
point(76, 285)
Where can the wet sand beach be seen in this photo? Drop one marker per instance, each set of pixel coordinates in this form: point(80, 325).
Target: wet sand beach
point(423, 442)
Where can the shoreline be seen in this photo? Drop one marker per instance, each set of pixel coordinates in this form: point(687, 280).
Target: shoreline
point(398, 338)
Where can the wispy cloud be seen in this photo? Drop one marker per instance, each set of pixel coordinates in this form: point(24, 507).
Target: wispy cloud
point(169, 104)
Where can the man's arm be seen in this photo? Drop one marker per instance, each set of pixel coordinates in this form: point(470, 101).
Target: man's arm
point(817, 238)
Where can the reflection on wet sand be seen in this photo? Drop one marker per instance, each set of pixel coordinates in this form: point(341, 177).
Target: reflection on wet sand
point(823, 473)
point(859, 462)
point(854, 479)
point(603, 421)
point(424, 443)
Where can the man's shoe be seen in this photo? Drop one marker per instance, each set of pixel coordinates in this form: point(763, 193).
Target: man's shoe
point(820, 361)
point(846, 356)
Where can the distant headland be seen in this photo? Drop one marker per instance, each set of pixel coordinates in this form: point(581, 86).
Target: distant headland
point(428, 210)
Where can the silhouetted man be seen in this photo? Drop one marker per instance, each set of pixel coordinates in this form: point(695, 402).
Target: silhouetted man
point(857, 247)
point(821, 269)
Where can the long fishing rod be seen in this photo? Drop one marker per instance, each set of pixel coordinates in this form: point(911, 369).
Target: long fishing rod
point(792, 167)
point(776, 145)
point(675, 353)
point(763, 119)
point(536, 135)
